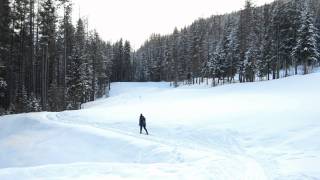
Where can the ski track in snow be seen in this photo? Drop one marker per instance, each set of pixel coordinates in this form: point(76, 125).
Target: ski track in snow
point(263, 130)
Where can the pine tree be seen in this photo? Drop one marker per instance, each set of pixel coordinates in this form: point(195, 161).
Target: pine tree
point(127, 61)
point(168, 60)
point(4, 33)
point(78, 82)
point(253, 54)
point(306, 47)
point(197, 49)
point(289, 30)
point(264, 64)
point(316, 6)
point(64, 44)
point(174, 60)
point(118, 69)
point(4, 52)
point(230, 49)
point(245, 25)
point(47, 42)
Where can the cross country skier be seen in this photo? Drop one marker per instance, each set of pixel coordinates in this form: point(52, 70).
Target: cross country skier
point(142, 124)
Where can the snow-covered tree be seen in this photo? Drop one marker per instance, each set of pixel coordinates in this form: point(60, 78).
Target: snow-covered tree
point(306, 48)
point(79, 80)
point(33, 104)
point(127, 61)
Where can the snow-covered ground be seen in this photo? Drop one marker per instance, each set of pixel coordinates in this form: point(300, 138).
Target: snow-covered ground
point(262, 130)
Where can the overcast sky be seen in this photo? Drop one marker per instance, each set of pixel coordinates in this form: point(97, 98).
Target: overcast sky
point(136, 20)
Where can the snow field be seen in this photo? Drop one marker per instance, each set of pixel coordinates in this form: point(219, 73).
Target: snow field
point(262, 130)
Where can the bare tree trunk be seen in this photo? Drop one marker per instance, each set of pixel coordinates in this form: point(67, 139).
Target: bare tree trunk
point(268, 71)
point(305, 66)
point(32, 54)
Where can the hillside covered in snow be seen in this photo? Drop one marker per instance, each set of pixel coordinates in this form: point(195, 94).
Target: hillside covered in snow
point(261, 130)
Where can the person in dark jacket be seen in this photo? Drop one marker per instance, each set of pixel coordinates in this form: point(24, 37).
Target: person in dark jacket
point(142, 124)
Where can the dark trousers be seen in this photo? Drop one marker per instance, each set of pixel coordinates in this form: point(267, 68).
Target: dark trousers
point(144, 127)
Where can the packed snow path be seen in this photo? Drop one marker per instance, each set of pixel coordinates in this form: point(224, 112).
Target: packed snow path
point(262, 130)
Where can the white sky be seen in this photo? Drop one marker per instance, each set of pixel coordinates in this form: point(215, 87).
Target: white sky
point(136, 20)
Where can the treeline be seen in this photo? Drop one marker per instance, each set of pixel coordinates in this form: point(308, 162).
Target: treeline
point(47, 63)
point(268, 42)
point(122, 69)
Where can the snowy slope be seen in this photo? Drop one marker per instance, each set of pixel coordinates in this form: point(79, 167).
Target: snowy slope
point(262, 130)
